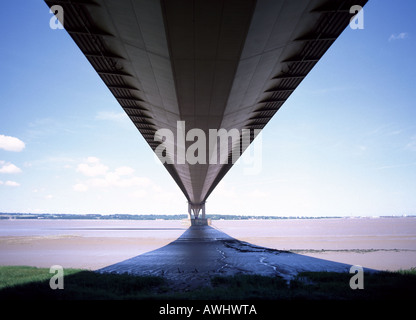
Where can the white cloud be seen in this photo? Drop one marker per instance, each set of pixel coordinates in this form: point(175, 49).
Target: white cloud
point(393, 166)
point(92, 168)
point(12, 183)
point(258, 194)
point(27, 164)
point(112, 116)
point(97, 183)
point(93, 160)
point(141, 193)
point(121, 177)
point(113, 180)
point(49, 196)
point(226, 191)
point(124, 171)
point(399, 36)
point(80, 187)
point(9, 168)
point(11, 143)
point(412, 144)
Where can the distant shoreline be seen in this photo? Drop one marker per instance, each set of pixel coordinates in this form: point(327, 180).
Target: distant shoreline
point(60, 216)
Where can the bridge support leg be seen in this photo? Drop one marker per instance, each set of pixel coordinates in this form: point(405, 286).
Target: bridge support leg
point(189, 211)
point(203, 211)
point(194, 210)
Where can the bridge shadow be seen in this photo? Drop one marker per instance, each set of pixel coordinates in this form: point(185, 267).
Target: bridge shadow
point(203, 251)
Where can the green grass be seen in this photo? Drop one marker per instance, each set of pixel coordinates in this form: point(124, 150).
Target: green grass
point(20, 282)
point(33, 283)
point(377, 286)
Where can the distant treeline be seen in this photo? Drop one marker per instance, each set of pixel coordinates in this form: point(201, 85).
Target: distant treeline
point(151, 216)
point(137, 216)
point(92, 216)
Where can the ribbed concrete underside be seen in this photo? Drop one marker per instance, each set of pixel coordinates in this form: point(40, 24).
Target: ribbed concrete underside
point(213, 64)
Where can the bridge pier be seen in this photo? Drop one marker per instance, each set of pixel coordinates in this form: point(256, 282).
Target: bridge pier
point(194, 211)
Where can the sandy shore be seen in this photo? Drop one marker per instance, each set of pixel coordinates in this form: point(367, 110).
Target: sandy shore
point(383, 244)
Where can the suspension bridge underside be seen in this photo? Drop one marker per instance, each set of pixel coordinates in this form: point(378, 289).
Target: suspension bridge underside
point(214, 64)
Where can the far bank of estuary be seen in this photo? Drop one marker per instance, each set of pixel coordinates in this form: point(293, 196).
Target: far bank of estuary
point(70, 216)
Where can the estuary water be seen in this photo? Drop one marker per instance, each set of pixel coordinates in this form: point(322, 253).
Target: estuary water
point(377, 243)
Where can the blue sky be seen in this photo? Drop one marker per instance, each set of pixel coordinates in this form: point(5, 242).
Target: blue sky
point(343, 144)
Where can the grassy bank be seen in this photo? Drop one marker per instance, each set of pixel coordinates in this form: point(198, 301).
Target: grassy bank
point(33, 283)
